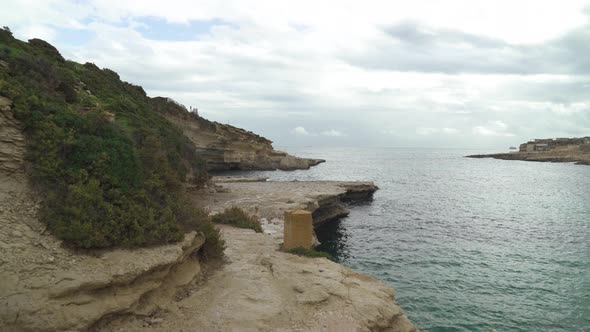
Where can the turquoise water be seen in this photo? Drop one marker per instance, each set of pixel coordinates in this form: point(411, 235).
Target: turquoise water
point(469, 244)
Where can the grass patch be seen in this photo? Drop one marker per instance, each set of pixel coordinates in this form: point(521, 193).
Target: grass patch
point(300, 251)
point(239, 218)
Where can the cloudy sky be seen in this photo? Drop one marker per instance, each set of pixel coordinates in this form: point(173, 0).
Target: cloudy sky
point(422, 73)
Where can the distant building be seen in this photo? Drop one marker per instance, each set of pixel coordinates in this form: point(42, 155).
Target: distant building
point(542, 147)
point(546, 144)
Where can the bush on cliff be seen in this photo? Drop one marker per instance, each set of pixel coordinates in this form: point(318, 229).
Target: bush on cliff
point(239, 218)
point(109, 167)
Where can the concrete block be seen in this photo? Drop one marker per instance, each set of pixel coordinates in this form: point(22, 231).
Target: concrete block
point(298, 230)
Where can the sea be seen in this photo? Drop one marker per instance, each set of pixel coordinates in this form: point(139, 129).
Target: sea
point(468, 244)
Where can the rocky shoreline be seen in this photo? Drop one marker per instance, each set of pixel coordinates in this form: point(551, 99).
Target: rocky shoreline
point(541, 156)
point(48, 287)
point(269, 199)
point(260, 288)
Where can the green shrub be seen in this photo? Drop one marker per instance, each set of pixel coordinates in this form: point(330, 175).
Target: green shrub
point(106, 182)
point(239, 218)
point(198, 219)
point(300, 251)
point(214, 244)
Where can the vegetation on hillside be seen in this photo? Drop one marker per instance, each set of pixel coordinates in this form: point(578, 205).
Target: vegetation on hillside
point(239, 218)
point(109, 166)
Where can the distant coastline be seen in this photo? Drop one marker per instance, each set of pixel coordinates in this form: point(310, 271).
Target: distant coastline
point(562, 150)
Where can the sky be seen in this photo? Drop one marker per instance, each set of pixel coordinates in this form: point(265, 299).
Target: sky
point(422, 73)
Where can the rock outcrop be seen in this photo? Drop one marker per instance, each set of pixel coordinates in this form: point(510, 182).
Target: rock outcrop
point(12, 141)
point(224, 147)
point(46, 287)
point(578, 154)
point(263, 289)
point(326, 200)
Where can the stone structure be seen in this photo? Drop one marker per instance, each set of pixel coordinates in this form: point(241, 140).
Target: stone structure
point(567, 150)
point(546, 144)
point(298, 230)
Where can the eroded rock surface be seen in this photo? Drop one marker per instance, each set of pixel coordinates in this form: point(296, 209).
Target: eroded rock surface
point(12, 141)
point(262, 289)
point(270, 199)
point(226, 147)
point(46, 287)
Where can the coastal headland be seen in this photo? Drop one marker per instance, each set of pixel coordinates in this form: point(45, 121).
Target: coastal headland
point(109, 251)
point(256, 287)
point(563, 150)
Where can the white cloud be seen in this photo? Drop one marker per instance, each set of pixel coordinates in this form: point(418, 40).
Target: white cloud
point(499, 125)
point(300, 131)
point(569, 109)
point(332, 133)
point(426, 131)
point(450, 131)
point(38, 31)
point(493, 128)
point(268, 65)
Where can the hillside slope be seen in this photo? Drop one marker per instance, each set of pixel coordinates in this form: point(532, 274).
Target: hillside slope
point(90, 168)
point(110, 168)
point(119, 158)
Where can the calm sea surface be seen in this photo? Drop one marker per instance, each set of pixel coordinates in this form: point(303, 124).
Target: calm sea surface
point(469, 244)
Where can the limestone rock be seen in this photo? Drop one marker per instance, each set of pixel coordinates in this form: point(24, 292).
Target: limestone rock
point(46, 287)
point(262, 289)
point(325, 199)
point(12, 141)
point(226, 147)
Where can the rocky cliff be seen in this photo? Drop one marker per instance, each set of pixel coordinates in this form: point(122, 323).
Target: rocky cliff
point(47, 284)
point(48, 287)
point(224, 147)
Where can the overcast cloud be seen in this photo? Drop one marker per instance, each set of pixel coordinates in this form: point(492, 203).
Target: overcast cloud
point(427, 73)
